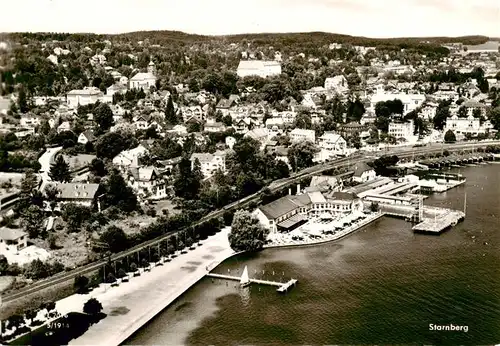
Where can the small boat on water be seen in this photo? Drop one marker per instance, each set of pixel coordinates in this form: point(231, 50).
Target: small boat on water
point(245, 280)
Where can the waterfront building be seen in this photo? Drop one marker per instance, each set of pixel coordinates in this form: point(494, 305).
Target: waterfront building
point(292, 211)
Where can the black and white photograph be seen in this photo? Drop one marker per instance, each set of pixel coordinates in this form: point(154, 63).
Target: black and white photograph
point(259, 172)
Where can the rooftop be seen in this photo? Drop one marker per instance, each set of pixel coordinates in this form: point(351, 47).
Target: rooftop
point(11, 233)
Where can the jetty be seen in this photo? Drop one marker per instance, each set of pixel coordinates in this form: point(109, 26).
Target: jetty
point(438, 224)
point(282, 286)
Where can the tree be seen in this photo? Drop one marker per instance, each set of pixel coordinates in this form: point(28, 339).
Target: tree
point(118, 193)
point(36, 270)
point(32, 221)
point(22, 100)
point(303, 121)
point(112, 143)
point(170, 116)
point(494, 117)
point(355, 110)
point(442, 113)
point(103, 116)
point(75, 215)
point(247, 234)
point(449, 137)
point(97, 167)
point(116, 239)
point(4, 265)
point(382, 123)
point(227, 120)
point(301, 154)
point(30, 314)
point(92, 307)
point(59, 171)
point(80, 284)
point(187, 181)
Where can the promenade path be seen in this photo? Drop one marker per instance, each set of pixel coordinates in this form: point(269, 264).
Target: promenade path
point(132, 304)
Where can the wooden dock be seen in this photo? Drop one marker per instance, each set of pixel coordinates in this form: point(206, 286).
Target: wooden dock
point(282, 286)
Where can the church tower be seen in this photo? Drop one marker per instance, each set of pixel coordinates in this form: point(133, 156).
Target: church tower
point(152, 67)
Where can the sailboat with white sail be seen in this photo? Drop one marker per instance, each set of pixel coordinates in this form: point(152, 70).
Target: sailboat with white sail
point(245, 280)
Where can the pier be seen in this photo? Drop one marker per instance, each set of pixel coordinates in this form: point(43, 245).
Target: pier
point(282, 286)
point(440, 223)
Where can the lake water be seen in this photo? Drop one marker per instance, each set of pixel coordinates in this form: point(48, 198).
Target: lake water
point(381, 285)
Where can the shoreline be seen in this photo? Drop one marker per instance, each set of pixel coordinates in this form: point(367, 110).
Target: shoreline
point(94, 336)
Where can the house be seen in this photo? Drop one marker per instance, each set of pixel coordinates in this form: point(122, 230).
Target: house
point(130, 157)
point(210, 163)
point(337, 84)
point(214, 126)
point(83, 97)
point(462, 126)
point(12, 240)
point(223, 106)
point(86, 137)
point(399, 129)
point(323, 183)
point(116, 89)
point(292, 211)
point(147, 182)
point(333, 144)
point(472, 105)
point(363, 173)
point(169, 164)
point(78, 193)
point(260, 134)
point(65, 126)
point(242, 125)
point(191, 112)
point(261, 68)
point(29, 120)
point(302, 135)
point(144, 80)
